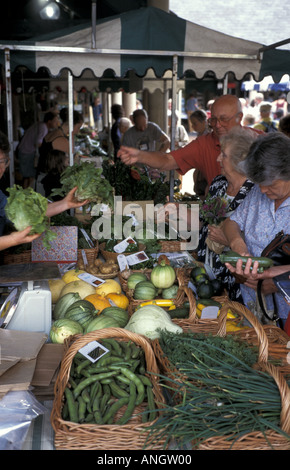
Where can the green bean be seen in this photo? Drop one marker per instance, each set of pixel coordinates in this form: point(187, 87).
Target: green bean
point(96, 411)
point(72, 405)
point(81, 409)
point(113, 344)
point(131, 405)
point(133, 377)
point(82, 365)
point(145, 380)
point(110, 413)
point(117, 391)
point(104, 400)
point(89, 380)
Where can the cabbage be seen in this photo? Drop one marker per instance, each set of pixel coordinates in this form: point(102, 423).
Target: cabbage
point(26, 207)
point(90, 183)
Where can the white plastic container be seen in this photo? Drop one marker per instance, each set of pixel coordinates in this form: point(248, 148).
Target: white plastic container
point(28, 308)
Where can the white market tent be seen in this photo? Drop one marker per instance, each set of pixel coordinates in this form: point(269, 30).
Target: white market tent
point(134, 41)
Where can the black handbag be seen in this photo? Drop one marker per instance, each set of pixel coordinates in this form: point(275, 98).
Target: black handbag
point(279, 251)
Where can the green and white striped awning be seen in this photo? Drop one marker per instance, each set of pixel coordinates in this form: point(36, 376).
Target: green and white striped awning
point(138, 40)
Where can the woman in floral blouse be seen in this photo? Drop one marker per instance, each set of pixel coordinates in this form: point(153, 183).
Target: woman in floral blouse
point(232, 186)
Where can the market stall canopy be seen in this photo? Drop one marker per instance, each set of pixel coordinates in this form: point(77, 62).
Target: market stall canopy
point(138, 40)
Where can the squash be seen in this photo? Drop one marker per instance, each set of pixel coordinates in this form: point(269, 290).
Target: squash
point(72, 275)
point(55, 287)
point(63, 328)
point(118, 314)
point(98, 301)
point(145, 290)
point(170, 292)
point(118, 300)
point(134, 278)
point(81, 287)
point(110, 285)
point(149, 320)
point(82, 312)
point(64, 303)
point(100, 322)
point(163, 275)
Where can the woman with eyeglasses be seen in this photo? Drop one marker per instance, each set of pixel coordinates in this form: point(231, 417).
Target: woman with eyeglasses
point(233, 186)
point(200, 153)
point(17, 238)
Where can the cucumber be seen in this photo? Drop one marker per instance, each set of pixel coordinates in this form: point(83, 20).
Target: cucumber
point(209, 302)
point(232, 257)
point(179, 312)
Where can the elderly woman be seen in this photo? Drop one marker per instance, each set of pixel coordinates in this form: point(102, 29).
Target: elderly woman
point(233, 186)
point(264, 213)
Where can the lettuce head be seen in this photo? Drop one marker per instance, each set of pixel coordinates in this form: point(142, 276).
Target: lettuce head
point(24, 208)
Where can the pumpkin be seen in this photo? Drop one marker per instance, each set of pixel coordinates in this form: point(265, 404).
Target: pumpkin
point(163, 275)
point(134, 278)
point(109, 286)
point(72, 275)
point(99, 302)
point(118, 300)
point(119, 314)
point(62, 328)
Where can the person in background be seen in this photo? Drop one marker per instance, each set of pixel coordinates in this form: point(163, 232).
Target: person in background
point(117, 113)
point(200, 153)
point(199, 122)
point(181, 136)
point(28, 147)
point(190, 106)
point(255, 105)
point(54, 208)
point(124, 124)
point(284, 125)
point(280, 105)
point(57, 140)
point(264, 212)
point(57, 161)
point(265, 123)
point(200, 126)
point(145, 135)
point(97, 113)
point(249, 120)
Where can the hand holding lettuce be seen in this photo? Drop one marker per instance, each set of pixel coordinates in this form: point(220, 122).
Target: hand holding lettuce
point(26, 208)
point(91, 184)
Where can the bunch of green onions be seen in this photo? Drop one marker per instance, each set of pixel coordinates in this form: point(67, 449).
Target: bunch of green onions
point(219, 398)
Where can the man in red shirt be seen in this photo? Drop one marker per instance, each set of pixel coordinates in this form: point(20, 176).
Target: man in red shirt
point(200, 153)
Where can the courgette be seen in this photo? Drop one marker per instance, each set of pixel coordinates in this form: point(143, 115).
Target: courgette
point(179, 312)
point(232, 257)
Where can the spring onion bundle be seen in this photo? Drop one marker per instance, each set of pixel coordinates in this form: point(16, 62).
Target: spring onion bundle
point(219, 397)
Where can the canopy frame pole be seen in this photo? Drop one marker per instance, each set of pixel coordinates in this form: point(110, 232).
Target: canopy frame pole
point(94, 18)
point(70, 117)
point(9, 115)
point(173, 121)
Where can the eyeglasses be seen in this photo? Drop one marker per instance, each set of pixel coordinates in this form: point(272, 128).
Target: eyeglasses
point(4, 161)
point(222, 120)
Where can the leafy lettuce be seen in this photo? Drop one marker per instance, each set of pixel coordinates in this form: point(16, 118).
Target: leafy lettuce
point(26, 207)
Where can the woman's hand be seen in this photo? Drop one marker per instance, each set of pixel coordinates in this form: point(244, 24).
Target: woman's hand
point(17, 238)
point(68, 202)
point(216, 234)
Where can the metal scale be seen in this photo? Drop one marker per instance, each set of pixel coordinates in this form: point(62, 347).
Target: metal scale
point(28, 305)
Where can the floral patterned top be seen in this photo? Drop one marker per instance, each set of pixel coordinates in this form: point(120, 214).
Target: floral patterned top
point(218, 188)
point(260, 223)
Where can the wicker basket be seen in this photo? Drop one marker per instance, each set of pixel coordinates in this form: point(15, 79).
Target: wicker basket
point(111, 255)
point(170, 246)
point(270, 440)
point(178, 301)
point(131, 436)
point(25, 256)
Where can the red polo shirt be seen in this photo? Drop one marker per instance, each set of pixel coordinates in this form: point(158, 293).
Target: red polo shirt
point(201, 154)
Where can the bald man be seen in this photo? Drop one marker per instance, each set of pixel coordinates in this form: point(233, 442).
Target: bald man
point(200, 153)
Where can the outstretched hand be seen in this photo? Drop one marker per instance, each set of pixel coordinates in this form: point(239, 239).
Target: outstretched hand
point(128, 155)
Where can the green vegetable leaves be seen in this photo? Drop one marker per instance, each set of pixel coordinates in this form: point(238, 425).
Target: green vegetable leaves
point(26, 207)
point(90, 184)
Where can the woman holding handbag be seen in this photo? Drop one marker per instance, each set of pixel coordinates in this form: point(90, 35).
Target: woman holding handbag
point(263, 214)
